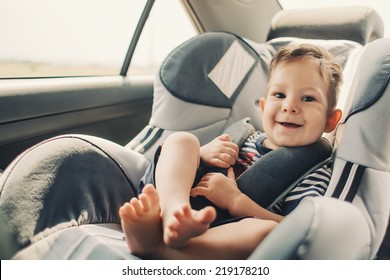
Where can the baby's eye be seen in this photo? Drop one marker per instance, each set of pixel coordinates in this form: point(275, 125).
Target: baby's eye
point(308, 99)
point(279, 95)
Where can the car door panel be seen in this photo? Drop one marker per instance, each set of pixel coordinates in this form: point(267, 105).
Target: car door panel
point(114, 108)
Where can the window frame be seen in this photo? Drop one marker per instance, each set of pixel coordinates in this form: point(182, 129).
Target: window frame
point(135, 38)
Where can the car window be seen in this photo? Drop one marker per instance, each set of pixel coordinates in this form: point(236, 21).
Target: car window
point(161, 34)
point(46, 38)
point(380, 6)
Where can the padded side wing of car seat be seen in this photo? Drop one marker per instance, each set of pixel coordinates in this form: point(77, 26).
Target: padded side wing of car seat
point(301, 235)
point(67, 181)
point(362, 165)
point(8, 244)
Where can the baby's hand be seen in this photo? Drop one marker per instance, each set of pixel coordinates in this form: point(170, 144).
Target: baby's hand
point(220, 189)
point(220, 152)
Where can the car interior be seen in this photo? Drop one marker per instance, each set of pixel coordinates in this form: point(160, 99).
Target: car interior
point(67, 170)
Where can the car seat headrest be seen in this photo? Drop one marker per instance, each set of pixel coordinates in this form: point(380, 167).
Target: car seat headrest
point(359, 24)
point(208, 69)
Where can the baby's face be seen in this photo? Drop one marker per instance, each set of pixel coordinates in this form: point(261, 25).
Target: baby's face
point(295, 109)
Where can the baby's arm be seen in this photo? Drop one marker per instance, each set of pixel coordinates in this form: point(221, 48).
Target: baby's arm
point(242, 205)
point(220, 152)
point(223, 191)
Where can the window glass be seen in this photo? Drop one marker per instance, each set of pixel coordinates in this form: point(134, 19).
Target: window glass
point(167, 27)
point(46, 38)
point(380, 6)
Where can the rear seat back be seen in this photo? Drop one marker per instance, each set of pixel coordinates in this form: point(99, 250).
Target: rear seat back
point(354, 23)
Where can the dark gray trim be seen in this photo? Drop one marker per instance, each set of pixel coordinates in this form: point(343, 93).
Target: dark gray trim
point(343, 180)
point(355, 183)
point(187, 79)
point(375, 76)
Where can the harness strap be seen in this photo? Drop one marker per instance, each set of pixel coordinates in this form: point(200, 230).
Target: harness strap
point(278, 171)
point(299, 180)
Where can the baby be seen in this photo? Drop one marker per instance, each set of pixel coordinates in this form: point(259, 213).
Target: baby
point(300, 105)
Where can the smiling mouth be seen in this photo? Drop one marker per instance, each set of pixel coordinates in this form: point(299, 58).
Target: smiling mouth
point(290, 125)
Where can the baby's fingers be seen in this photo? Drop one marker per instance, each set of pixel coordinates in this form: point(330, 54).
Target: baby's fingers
point(198, 191)
point(220, 163)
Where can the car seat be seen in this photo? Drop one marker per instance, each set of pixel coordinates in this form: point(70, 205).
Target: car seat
point(72, 192)
point(350, 221)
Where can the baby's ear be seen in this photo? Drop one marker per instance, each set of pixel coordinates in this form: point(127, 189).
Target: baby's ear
point(333, 120)
point(262, 103)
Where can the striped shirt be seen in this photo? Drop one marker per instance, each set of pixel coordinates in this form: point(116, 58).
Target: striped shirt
point(314, 184)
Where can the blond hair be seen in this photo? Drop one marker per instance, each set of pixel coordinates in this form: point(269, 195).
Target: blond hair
point(328, 67)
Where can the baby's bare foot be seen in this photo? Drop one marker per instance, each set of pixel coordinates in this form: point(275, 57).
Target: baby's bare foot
point(185, 223)
point(141, 222)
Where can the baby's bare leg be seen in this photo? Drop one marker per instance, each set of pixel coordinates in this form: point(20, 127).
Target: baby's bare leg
point(175, 174)
point(141, 223)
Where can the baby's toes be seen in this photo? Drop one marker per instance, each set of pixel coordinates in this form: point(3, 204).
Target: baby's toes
point(137, 206)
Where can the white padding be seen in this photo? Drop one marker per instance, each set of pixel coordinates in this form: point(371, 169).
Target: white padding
point(229, 72)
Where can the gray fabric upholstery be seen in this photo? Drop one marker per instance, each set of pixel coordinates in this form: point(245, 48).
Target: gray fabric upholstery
point(67, 181)
point(8, 243)
point(86, 242)
point(320, 228)
point(184, 83)
point(359, 24)
point(367, 126)
point(368, 106)
point(187, 77)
